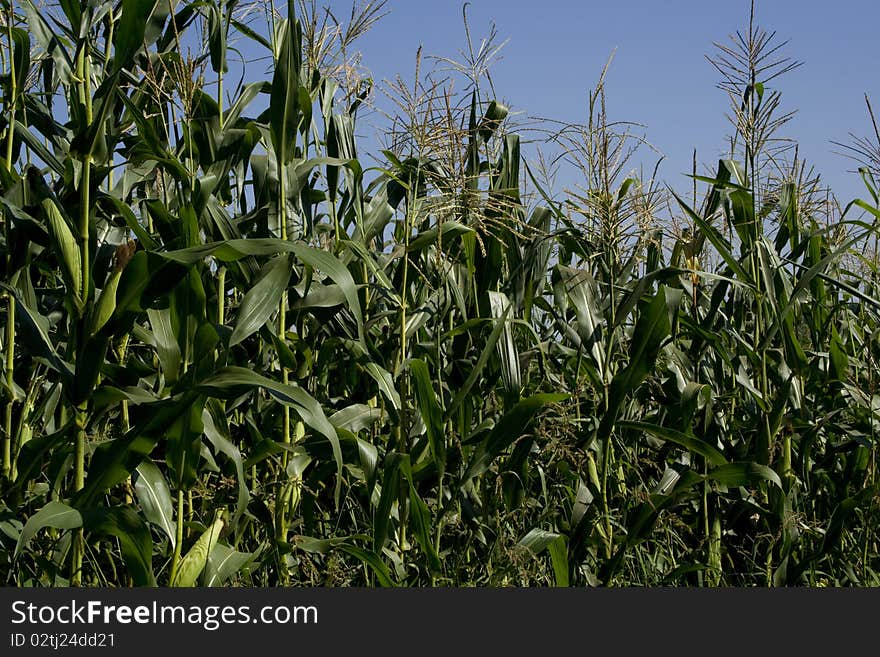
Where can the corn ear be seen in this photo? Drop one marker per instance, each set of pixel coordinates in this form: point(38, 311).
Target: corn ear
point(192, 565)
point(105, 305)
point(592, 471)
point(68, 251)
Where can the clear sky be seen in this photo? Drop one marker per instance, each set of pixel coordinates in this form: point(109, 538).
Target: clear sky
point(659, 76)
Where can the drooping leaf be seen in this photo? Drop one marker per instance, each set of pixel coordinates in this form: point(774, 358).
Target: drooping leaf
point(331, 266)
point(429, 237)
point(53, 514)
point(744, 474)
point(379, 569)
point(228, 382)
point(389, 495)
point(155, 498)
point(507, 351)
point(386, 384)
point(356, 418)
point(135, 542)
point(113, 461)
point(216, 430)
point(217, 39)
point(691, 443)
point(167, 347)
point(33, 331)
point(485, 355)
point(224, 563)
point(509, 429)
point(538, 540)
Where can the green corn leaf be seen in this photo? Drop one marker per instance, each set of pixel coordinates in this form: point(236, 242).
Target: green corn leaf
point(744, 474)
point(230, 250)
point(389, 494)
point(33, 330)
point(478, 367)
point(371, 559)
point(284, 103)
point(421, 522)
point(333, 267)
point(261, 301)
point(580, 288)
point(113, 461)
point(690, 443)
point(430, 237)
point(356, 417)
point(146, 278)
point(131, 29)
point(538, 540)
point(229, 382)
point(216, 430)
point(53, 514)
point(21, 56)
point(224, 563)
point(421, 518)
point(217, 39)
point(33, 452)
point(155, 498)
point(721, 245)
point(431, 413)
point(184, 444)
point(742, 214)
point(508, 355)
point(167, 348)
point(49, 40)
point(386, 384)
point(653, 327)
point(508, 430)
point(125, 526)
point(188, 313)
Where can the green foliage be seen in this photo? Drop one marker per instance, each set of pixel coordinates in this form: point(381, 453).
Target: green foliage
point(236, 355)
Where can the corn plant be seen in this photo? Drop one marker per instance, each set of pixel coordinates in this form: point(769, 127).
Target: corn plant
point(237, 354)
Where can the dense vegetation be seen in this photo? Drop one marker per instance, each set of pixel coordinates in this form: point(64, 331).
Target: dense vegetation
point(237, 353)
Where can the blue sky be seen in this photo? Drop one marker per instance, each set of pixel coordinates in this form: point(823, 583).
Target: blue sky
point(659, 75)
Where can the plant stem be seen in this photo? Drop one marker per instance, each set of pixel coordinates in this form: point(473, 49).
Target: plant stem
point(606, 509)
point(220, 99)
point(403, 427)
point(178, 545)
point(78, 549)
point(11, 101)
point(10, 362)
point(221, 295)
point(81, 413)
point(283, 493)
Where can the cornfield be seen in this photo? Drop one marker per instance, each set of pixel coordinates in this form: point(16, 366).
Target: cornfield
point(241, 350)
